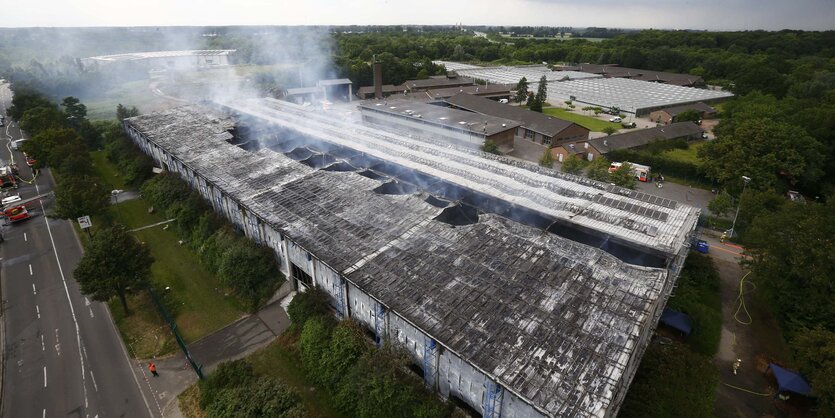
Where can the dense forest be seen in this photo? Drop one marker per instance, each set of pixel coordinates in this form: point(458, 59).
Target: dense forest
point(779, 130)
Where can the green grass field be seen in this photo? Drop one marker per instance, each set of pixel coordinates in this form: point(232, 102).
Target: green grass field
point(591, 123)
point(202, 306)
point(686, 155)
point(106, 171)
point(134, 93)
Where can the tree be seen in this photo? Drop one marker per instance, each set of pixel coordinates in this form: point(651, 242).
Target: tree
point(599, 169)
point(536, 105)
point(609, 130)
point(306, 305)
point(793, 258)
point(80, 195)
point(623, 176)
point(123, 112)
point(775, 154)
point(542, 90)
point(521, 90)
point(249, 272)
point(75, 110)
point(573, 165)
point(42, 144)
point(815, 353)
point(114, 264)
point(547, 159)
point(490, 146)
point(722, 204)
point(690, 115)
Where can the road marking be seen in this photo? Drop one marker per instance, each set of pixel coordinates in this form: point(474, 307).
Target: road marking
point(57, 343)
point(69, 301)
point(44, 376)
point(38, 310)
point(30, 270)
point(43, 346)
point(44, 413)
point(95, 386)
point(25, 238)
point(87, 303)
point(34, 291)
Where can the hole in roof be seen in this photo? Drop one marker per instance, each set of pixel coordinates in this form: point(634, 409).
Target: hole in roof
point(395, 187)
point(458, 215)
point(373, 175)
point(318, 160)
point(299, 154)
point(438, 203)
point(340, 166)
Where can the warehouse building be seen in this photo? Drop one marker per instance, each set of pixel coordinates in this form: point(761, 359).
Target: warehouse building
point(666, 115)
point(628, 90)
point(520, 291)
point(596, 147)
point(533, 126)
point(466, 129)
point(163, 60)
point(615, 71)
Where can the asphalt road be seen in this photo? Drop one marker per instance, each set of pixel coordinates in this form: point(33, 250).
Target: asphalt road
point(62, 354)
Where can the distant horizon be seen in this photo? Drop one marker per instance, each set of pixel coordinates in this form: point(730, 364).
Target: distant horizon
point(413, 25)
point(704, 15)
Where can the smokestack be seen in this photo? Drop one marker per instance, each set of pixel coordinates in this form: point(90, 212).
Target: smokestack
point(378, 80)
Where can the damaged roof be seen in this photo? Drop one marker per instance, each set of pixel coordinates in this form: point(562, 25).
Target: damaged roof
point(554, 321)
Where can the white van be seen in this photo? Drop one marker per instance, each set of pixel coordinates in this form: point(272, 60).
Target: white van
point(505, 101)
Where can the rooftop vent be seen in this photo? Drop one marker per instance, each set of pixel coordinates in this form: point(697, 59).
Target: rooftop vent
point(395, 187)
point(458, 215)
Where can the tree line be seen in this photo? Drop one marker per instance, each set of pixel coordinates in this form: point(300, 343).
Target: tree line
point(115, 264)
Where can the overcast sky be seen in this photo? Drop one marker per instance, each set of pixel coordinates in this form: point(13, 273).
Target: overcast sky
point(663, 14)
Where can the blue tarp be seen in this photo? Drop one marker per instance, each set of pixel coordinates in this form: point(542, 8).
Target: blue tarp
point(677, 320)
point(789, 381)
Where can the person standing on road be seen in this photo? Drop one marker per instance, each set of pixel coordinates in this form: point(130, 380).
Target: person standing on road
point(153, 368)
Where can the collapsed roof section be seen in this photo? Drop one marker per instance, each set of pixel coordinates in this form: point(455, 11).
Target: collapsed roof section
point(554, 321)
point(660, 226)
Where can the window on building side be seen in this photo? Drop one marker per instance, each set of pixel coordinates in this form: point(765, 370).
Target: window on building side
point(529, 134)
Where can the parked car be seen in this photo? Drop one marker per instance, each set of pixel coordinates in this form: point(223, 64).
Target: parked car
point(616, 119)
point(628, 125)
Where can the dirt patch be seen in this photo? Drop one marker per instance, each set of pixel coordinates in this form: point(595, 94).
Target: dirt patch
point(749, 392)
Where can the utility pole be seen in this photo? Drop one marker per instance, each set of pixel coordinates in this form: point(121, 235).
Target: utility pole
point(745, 181)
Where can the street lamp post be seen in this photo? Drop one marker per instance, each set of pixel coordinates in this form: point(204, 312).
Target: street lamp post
point(745, 181)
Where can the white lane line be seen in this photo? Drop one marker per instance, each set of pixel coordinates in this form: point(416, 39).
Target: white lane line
point(95, 386)
point(38, 310)
point(44, 413)
point(69, 301)
point(30, 270)
point(43, 346)
point(34, 291)
point(44, 376)
point(25, 238)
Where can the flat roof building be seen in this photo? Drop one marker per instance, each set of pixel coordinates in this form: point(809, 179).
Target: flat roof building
point(612, 70)
point(534, 126)
point(157, 60)
point(466, 129)
point(512, 308)
point(637, 138)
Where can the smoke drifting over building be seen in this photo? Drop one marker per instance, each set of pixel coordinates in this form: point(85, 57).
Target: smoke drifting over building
point(521, 291)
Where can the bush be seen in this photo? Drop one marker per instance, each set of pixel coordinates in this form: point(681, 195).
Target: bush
point(672, 381)
point(230, 374)
point(697, 295)
point(314, 344)
point(263, 397)
point(661, 164)
point(312, 303)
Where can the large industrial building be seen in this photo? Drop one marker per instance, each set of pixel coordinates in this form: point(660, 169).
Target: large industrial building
point(628, 90)
point(163, 60)
point(518, 290)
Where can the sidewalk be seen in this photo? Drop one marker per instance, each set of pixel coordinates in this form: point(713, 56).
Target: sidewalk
point(232, 342)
